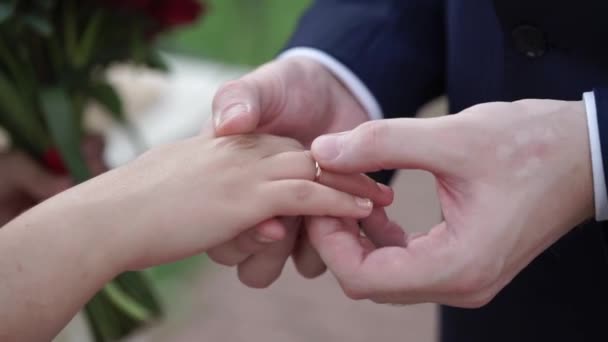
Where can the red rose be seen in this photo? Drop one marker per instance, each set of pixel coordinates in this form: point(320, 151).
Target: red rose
point(167, 13)
point(52, 160)
point(170, 13)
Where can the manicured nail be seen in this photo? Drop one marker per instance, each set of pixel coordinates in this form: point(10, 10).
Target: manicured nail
point(328, 147)
point(365, 203)
point(232, 111)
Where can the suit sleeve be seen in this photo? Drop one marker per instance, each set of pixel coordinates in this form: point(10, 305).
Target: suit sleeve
point(396, 48)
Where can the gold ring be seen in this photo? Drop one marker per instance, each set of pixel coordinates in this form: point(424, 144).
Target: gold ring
point(318, 171)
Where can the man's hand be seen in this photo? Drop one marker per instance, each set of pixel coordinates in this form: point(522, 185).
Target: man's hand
point(512, 179)
point(297, 98)
point(293, 97)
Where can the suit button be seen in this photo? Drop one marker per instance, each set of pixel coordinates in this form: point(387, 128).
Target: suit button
point(530, 41)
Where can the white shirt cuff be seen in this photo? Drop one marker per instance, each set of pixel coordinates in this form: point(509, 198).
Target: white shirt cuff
point(341, 72)
point(599, 181)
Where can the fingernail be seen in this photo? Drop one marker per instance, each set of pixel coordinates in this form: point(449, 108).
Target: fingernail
point(264, 239)
point(365, 203)
point(384, 188)
point(328, 147)
point(230, 112)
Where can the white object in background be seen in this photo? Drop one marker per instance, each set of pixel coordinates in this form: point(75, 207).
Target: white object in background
point(178, 103)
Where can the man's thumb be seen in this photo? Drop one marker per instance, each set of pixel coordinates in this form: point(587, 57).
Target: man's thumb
point(386, 145)
point(236, 109)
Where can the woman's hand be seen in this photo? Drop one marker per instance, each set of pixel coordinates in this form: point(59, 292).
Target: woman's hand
point(173, 202)
point(182, 199)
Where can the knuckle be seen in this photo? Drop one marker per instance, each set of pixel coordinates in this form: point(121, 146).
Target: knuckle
point(227, 90)
point(239, 142)
point(371, 137)
point(373, 132)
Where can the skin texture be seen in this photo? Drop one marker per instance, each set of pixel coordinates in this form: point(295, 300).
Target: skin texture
point(173, 202)
point(512, 179)
point(298, 98)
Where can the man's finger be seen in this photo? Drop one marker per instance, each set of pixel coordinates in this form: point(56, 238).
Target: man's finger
point(306, 258)
point(389, 144)
point(382, 231)
point(339, 245)
point(300, 165)
point(428, 268)
point(236, 108)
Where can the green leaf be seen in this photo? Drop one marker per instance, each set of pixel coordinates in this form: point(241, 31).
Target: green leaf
point(89, 37)
point(102, 318)
point(70, 30)
point(127, 303)
point(19, 117)
point(105, 95)
point(6, 11)
point(138, 48)
point(65, 130)
point(155, 61)
point(138, 285)
point(39, 24)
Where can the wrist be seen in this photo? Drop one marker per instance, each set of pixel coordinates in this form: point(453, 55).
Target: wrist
point(57, 234)
point(96, 220)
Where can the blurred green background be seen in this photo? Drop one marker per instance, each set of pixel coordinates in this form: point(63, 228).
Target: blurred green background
point(245, 32)
point(238, 32)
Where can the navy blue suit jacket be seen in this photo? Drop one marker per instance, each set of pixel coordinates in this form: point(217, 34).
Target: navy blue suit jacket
point(410, 51)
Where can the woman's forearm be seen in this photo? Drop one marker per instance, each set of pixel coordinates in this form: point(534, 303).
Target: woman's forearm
point(51, 262)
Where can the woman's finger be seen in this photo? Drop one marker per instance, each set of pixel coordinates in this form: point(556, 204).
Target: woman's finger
point(248, 243)
point(306, 259)
point(300, 165)
point(263, 268)
point(359, 185)
point(300, 197)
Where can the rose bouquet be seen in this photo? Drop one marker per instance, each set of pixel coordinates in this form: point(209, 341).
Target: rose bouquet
point(53, 58)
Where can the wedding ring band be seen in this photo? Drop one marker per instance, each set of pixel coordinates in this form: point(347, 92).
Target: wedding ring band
point(318, 171)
